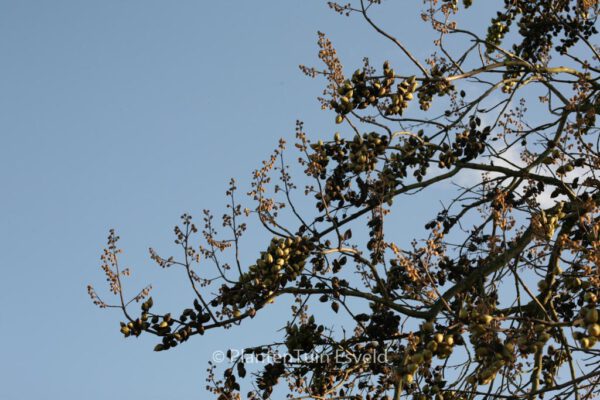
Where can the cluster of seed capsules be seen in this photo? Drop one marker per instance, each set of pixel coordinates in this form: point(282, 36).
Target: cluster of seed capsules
point(496, 31)
point(435, 392)
point(589, 321)
point(362, 91)
point(357, 155)
point(539, 24)
point(551, 362)
point(135, 328)
point(431, 344)
point(163, 325)
point(269, 378)
point(468, 145)
point(536, 340)
point(574, 283)
point(170, 336)
point(364, 151)
point(281, 263)
point(302, 339)
point(436, 84)
point(542, 22)
point(490, 352)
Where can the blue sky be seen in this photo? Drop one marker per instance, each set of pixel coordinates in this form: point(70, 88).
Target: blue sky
point(127, 114)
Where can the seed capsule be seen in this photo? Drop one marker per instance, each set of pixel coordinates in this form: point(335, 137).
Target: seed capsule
point(594, 330)
point(427, 327)
point(585, 343)
point(591, 315)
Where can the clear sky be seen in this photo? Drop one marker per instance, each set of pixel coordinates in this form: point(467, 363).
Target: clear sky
point(126, 114)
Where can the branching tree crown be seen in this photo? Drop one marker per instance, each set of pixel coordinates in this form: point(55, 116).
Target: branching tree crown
point(498, 300)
